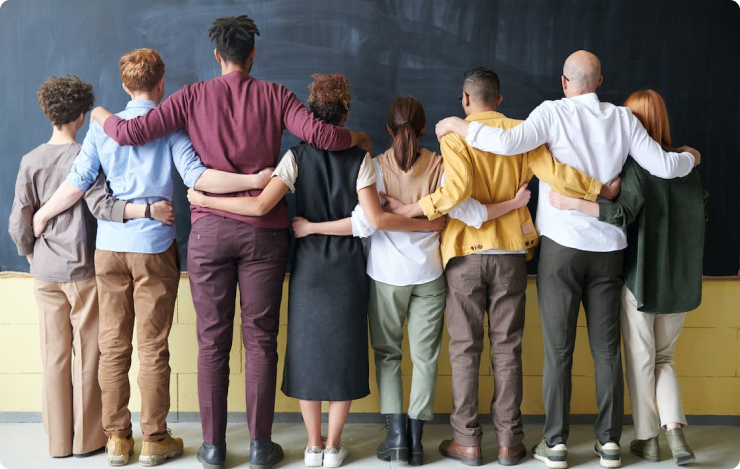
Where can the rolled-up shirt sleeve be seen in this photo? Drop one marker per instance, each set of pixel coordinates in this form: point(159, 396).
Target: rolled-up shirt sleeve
point(187, 162)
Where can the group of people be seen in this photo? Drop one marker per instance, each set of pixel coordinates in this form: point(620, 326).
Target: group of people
point(357, 217)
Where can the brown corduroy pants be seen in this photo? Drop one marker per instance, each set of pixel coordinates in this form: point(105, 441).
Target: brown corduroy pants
point(70, 406)
point(139, 288)
point(475, 284)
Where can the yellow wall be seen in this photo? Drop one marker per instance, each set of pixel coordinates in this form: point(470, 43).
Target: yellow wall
point(708, 358)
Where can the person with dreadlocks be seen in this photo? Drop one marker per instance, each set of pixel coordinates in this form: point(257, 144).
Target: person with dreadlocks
point(235, 123)
point(326, 357)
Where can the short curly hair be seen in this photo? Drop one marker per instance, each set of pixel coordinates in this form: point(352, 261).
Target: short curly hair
point(63, 99)
point(329, 99)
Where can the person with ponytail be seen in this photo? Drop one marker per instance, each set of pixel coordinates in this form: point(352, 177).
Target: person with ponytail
point(326, 358)
point(412, 288)
point(662, 280)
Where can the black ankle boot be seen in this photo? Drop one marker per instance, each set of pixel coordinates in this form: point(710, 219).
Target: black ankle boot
point(396, 445)
point(264, 453)
point(212, 456)
point(416, 451)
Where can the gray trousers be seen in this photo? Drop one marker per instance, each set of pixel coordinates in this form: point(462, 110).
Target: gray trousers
point(566, 277)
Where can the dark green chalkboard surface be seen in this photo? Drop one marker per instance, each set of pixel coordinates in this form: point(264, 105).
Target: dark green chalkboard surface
point(688, 50)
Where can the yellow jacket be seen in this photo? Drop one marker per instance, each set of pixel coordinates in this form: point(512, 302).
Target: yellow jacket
point(491, 178)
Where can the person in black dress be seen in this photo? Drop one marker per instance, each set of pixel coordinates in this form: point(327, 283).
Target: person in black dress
point(327, 350)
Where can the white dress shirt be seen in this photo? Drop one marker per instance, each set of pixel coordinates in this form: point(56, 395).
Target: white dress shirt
point(594, 137)
point(408, 258)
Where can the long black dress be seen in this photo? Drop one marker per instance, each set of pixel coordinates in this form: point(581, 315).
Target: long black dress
point(326, 357)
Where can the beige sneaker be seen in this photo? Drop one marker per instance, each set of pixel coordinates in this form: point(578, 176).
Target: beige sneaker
point(119, 450)
point(154, 453)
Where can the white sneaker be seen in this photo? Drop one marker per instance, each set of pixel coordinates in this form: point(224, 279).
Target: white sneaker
point(334, 457)
point(313, 456)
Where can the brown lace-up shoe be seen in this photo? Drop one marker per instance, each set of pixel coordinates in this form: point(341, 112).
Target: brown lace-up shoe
point(469, 455)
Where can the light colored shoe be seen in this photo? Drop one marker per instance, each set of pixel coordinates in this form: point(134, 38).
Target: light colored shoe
point(554, 458)
point(610, 455)
point(334, 457)
point(119, 450)
point(313, 456)
point(154, 453)
point(682, 453)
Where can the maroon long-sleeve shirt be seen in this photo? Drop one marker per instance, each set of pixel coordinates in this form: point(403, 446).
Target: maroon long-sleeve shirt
point(235, 123)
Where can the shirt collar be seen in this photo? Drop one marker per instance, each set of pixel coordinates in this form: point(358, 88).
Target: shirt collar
point(141, 103)
point(484, 115)
point(586, 97)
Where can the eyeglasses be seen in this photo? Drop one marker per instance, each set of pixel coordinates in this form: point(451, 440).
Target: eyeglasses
point(461, 96)
point(566, 78)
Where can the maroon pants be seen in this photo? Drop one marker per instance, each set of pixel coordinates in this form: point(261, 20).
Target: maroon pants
point(221, 254)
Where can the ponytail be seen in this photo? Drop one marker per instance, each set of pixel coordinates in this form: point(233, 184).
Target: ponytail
point(406, 119)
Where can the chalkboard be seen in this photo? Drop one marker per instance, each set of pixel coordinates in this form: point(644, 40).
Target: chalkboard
point(687, 50)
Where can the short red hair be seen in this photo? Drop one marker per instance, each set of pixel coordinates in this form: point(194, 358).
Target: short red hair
point(648, 106)
point(141, 69)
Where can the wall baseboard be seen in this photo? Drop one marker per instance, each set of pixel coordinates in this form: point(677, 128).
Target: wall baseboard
point(372, 418)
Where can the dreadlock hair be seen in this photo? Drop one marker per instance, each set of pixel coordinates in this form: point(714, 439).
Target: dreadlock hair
point(234, 37)
point(405, 120)
point(483, 84)
point(329, 99)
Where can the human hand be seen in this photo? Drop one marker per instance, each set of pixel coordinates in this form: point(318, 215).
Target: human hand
point(392, 204)
point(301, 227)
point(39, 222)
point(451, 124)
point(563, 202)
point(522, 196)
point(438, 224)
point(264, 177)
point(611, 190)
point(100, 114)
point(163, 211)
point(361, 139)
point(695, 153)
point(196, 198)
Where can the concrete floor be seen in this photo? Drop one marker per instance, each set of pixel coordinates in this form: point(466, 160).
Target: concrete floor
point(25, 446)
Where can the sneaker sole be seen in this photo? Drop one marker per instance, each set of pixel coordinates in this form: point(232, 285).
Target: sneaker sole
point(549, 463)
point(608, 462)
point(463, 459)
point(121, 460)
point(681, 458)
point(331, 463)
point(157, 459)
point(316, 460)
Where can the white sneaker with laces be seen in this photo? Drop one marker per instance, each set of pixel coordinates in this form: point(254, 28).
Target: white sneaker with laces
point(313, 456)
point(334, 457)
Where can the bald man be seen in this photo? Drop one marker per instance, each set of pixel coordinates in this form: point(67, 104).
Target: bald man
point(580, 257)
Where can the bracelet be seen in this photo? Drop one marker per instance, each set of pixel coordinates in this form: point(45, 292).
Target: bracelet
point(148, 211)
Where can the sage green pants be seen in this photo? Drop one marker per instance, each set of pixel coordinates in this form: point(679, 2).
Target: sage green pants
point(423, 306)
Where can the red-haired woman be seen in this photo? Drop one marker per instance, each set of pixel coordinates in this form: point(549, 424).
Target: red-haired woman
point(326, 357)
point(663, 274)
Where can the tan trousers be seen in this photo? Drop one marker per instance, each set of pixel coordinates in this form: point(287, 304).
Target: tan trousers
point(140, 287)
point(649, 345)
point(70, 406)
point(476, 284)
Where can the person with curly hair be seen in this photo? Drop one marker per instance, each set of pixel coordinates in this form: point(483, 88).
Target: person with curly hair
point(235, 122)
point(61, 262)
point(326, 356)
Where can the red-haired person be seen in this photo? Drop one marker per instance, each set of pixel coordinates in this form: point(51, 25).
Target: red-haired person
point(326, 357)
point(662, 280)
point(138, 263)
point(62, 267)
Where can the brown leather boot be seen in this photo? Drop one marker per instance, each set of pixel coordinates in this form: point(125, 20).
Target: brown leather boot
point(469, 455)
point(511, 455)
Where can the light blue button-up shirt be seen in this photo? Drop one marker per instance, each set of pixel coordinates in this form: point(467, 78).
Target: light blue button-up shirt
point(137, 174)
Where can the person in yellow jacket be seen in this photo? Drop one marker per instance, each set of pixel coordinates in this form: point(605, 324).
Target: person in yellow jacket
point(486, 267)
